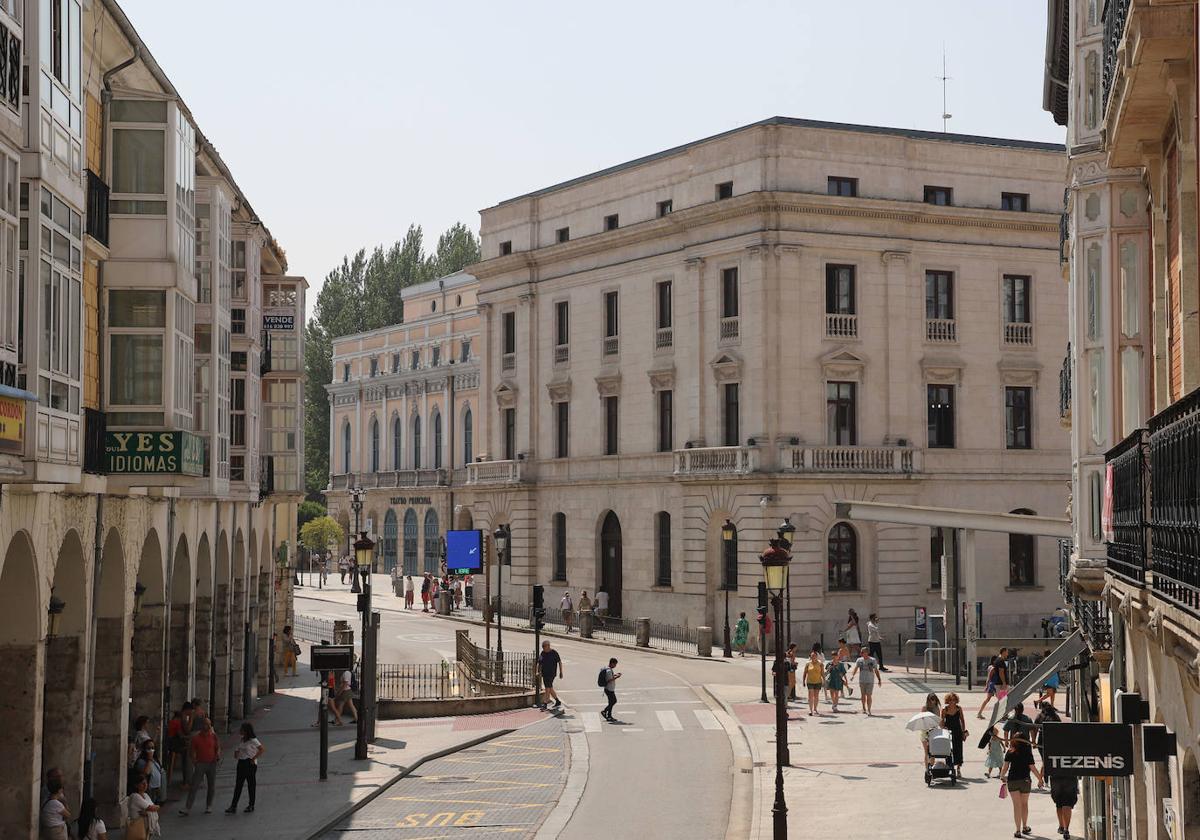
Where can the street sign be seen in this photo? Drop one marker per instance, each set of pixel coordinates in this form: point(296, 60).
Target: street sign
point(331, 657)
point(1088, 749)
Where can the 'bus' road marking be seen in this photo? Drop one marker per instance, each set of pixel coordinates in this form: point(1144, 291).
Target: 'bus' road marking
point(669, 721)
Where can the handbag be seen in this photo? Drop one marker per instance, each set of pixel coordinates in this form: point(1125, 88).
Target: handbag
point(1001, 693)
point(1004, 790)
point(137, 829)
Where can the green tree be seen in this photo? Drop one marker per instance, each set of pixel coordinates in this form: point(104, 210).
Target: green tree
point(307, 511)
point(320, 533)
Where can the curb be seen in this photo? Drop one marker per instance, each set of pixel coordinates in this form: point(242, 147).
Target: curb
point(572, 794)
point(751, 756)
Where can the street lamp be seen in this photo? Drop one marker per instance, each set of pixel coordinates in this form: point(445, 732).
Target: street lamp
point(775, 562)
point(54, 616)
point(357, 495)
point(787, 535)
point(139, 591)
point(501, 535)
point(728, 535)
point(363, 554)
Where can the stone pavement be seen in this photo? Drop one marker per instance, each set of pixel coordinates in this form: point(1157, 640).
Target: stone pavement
point(292, 802)
point(863, 777)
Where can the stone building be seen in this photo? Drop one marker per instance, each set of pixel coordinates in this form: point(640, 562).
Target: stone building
point(1122, 77)
point(143, 523)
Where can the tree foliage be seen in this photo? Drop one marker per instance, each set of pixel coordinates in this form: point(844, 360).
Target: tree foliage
point(320, 533)
point(307, 511)
point(363, 293)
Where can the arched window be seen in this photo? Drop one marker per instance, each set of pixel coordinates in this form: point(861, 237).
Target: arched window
point(729, 560)
point(374, 445)
point(389, 541)
point(433, 541)
point(410, 542)
point(843, 558)
point(397, 450)
point(346, 447)
point(416, 436)
point(1022, 556)
point(662, 545)
point(468, 436)
point(437, 440)
point(560, 546)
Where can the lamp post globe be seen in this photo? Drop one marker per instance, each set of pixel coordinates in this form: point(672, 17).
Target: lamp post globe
point(728, 535)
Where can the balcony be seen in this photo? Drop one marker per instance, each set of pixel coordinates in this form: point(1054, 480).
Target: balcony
point(612, 345)
point(391, 478)
point(1174, 485)
point(838, 325)
point(664, 338)
point(730, 330)
point(895, 460)
point(941, 330)
point(494, 472)
point(1018, 335)
point(1064, 389)
point(716, 460)
point(96, 218)
point(1127, 549)
point(562, 354)
point(507, 362)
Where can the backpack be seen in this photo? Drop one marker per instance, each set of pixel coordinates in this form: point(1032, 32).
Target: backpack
point(602, 679)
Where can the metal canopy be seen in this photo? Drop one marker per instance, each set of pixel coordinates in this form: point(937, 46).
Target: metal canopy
point(973, 520)
point(1070, 647)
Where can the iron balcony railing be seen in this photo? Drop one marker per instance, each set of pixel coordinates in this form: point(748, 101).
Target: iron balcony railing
point(1094, 621)
point(1064, 387)
point(94, 425)
point(97, 208)
point(1130, 492)
point(1116, 14)
point(1064, 569)
point(1175, 502)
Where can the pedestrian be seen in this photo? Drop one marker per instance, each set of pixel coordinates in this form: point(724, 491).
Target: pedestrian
point(426, 585)
point(789, 658)
point(601, 602)
point(997, 746)
point(205, 751)
point(188, 717)
point(955, 722)
point(1049, 687)
point(835, 679)
point(408, 592)
point(342, 568)
point(141, 734)
point(585, 603)
point(814, 677)
point(1019, 763)
point(52, 775)
point(567, 608)
point(54, 813)
point(875, 639)
point(148, 766)
point(741, 634)
point(997, 680)
point(175, 745)
point(247, 753)
point(290, 651)
point(851, 631)
point(1046, 714)
point(343, 698)
point(609, 677)
point(868, 672)
point(1019, 724)
point(1064, 793)
point(934, 706)
point(551, 666)
point(142, 813)
point(458, 593)
point(90, 826)
point(844, 652)
point(470, 588)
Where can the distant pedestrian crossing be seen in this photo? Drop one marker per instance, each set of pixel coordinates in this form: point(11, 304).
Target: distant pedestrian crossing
point(658, 720)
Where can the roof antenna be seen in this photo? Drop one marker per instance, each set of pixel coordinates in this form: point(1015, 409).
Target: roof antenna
point(945, 114)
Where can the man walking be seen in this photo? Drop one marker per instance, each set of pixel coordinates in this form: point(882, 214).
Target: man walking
point(205, 749)
point(611, 675)
point(568, 609)
point(426, 593)
point(875, 639)
point(550, 664)
point(868, 672)
point(997, 680)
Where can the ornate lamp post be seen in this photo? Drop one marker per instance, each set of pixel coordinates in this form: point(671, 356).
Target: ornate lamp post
point(139, 592)
point(363, 555)
point(501, 535)
point(728, 535)
point(54, 616)
point(357, 495)
point(775, 562)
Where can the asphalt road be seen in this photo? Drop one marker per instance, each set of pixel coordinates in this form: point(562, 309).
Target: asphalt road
point(665, 770)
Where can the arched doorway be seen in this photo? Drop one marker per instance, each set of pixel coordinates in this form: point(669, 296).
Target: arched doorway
point(20, 652)
point(410, 542)
point(610, 561)
point(433, 542)
point(203, 619)
point(149, 623)
point(180, 682)
point(390, 531)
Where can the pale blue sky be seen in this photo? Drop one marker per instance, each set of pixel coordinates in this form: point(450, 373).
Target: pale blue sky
point(345, 121)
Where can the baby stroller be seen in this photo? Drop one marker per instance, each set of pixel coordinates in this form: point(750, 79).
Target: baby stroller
point(941, 757)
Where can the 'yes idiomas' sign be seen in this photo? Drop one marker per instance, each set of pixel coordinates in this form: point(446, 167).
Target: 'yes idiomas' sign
point(153, 453)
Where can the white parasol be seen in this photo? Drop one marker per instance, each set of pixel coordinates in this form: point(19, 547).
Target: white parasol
point(923, 722)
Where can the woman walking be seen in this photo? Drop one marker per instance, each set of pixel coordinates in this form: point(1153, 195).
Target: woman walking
point(247, 754)
point(1019, 763)
point(814, 678)
point(90, 826)
point(934, 706)
point(955, 722)
point(741, 634)
point(290, 650)
point(835, 679)
point(851, 634)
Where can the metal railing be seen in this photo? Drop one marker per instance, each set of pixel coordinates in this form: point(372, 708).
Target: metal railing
point(850, 459)
point(730, 329)
point(1127, 550)
point(1064, 570)
point(1116, 13)
point(612, 345)
point(682, 638)
point(508, 361)
point(941, 330)
point(562, 354)
point(664, 337)
point(312, 629)
point(494, 472)
point(1174, 490)
point(1064, 387)
point(490, 672)
point(1018, 334)
point(838, 325)
point(716, 460)
point(1094, 621)
point(417, 681)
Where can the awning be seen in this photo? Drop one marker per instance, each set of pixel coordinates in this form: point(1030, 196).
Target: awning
point(1067, 650)
point(17, 393)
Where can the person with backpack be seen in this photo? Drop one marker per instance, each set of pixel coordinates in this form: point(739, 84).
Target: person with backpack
point(607, 679)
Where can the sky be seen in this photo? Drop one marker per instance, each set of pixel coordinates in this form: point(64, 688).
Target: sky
point(344, 122)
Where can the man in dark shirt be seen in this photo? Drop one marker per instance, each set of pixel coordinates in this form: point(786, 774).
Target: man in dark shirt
point(550, 664)
point(1020, 723)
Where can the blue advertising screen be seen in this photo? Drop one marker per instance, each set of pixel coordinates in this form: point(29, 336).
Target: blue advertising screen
point(464, 552)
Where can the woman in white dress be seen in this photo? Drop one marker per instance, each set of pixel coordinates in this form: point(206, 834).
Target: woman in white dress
point(851, 634)
point(142, 809)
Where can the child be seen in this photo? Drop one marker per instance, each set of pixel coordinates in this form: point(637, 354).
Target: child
point(996, 749)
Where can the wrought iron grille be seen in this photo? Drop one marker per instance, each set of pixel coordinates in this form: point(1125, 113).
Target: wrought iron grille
point(1116, 13)
point(1127, 549)
point(1175, 502)
point(1064, 569)
point(1094, 622)
point(1064, 386)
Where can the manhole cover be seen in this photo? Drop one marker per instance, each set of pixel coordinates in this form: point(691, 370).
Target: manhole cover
point(448, 780)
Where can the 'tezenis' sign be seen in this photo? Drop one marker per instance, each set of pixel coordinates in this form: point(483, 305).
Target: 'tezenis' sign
point(153, 453)
point(1088, 749)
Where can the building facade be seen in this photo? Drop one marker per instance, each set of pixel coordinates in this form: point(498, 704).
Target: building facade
point(145, 532)
point(1121, 76)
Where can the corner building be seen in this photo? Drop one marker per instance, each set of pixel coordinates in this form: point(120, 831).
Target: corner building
point(758, 324)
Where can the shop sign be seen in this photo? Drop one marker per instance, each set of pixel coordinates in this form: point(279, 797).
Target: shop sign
point(12, 425)
point(1088, 749)
point(154, 453)
point(411, 500)
point(279, 322)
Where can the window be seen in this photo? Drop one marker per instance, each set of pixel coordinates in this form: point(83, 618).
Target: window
point(1022, 556)
point(468, 437)
point(237, 360)
point(562, 333)
point(510, 333)
point(506, 247)
point(665, 208)
point(1014, 201)
point(936, 550)
point(729, 293)
point(841, 186)
point(416, 442)
point(730, 414)
point(729, 562)
point(135, 324)
point(510, 434)
point(666, 421)
point(237, 262)
point(415, 359)
point(346, 372)
point(663, 298)
point(395, 363)
point(345, 447)
point(60, 345)
point(563, 234)
point(841, 413)
point(437, 440)
point(432, 541)
point(662, 545)
point(939, 295)
point(612, 222)
point(611, 312)
point(942, 196)
point(374, 445)
point(397, 440)
point(843, 558)
point(139, 163)
point(724, 190)
point(237, 407)
point(237, 322)
point(610, 425)
point(1017, 418)
point(237, 467)
point(941, 416)
point(437, 356)
point(1016, 299)
point(562, 428)
point(839, 290)
point(374, 365)
point(560, 547)
point(465, 350)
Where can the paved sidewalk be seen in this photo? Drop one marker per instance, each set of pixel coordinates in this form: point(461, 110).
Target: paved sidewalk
point(857, 776)
point(292, 802)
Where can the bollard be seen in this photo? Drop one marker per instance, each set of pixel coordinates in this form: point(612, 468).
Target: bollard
point(643, 632)
point(343, 634)
point(443, 603)
point(585, 624)
point(704, 641)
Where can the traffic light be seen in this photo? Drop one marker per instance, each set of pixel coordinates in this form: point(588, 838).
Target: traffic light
point(538, 596)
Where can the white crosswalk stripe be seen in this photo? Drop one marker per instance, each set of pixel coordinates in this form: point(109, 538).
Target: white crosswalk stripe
point(591, 721)
point(669, 721)
point(707, 719)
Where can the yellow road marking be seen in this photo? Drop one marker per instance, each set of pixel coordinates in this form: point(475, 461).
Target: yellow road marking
point(471, 802)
